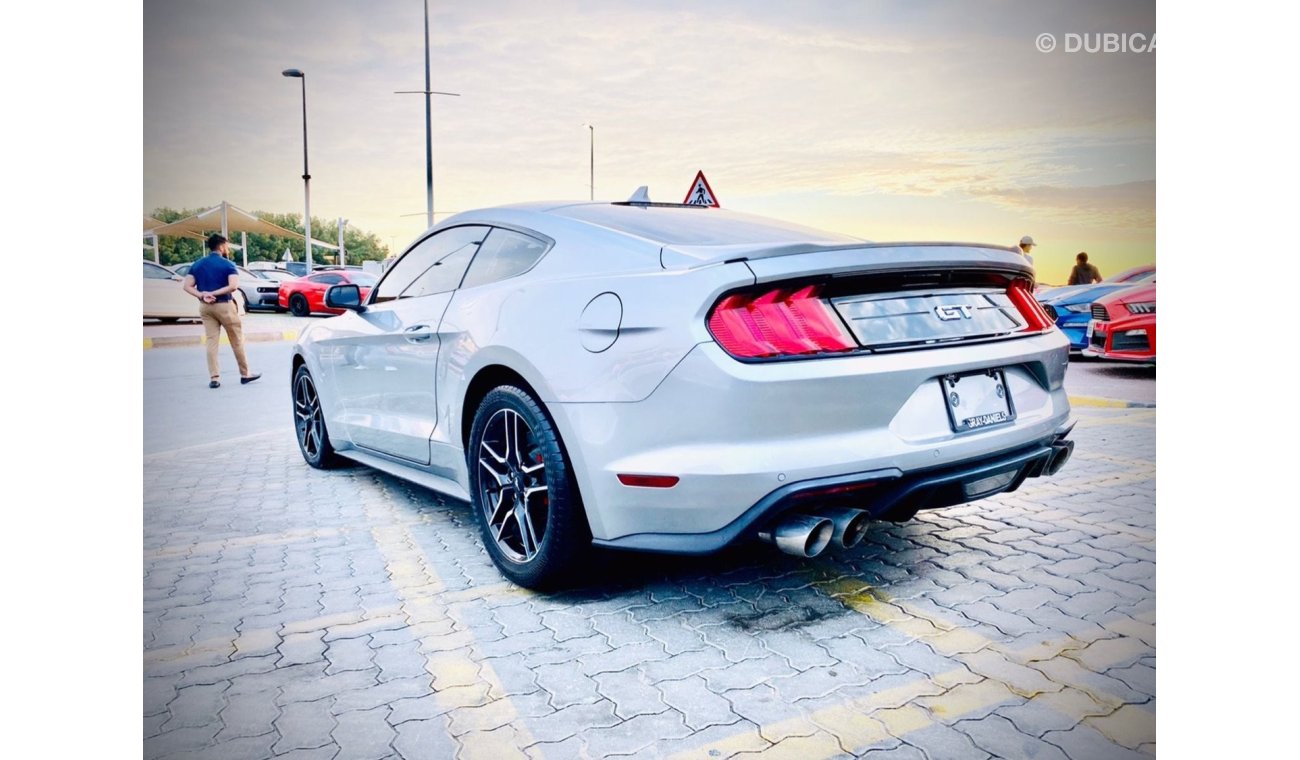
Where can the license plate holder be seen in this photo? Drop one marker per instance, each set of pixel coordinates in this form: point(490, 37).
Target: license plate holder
point(977, 400)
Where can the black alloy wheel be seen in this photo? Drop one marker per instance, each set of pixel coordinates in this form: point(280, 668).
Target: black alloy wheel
point(529, 512)
point(309, 423)
point(298, 305)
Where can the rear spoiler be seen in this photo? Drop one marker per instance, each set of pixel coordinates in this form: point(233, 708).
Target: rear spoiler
point(774, 262)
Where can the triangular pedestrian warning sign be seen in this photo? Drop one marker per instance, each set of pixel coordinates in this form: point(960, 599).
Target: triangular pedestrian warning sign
point(700, 193)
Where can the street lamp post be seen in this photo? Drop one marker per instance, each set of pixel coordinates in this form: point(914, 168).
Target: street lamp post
point(428, 114)
point(592, 127)
point(306, 175)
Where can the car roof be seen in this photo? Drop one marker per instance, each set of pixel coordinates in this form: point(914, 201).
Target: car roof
point(664, 224)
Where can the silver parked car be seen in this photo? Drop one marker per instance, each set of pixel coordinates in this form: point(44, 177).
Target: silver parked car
point(256, 290)
point(677, 379)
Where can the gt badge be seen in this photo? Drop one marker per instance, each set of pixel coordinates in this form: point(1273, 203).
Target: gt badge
point(949, 313)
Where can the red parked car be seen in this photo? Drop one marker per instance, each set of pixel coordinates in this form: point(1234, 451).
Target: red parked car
point(306, 295)
point(1123, 325)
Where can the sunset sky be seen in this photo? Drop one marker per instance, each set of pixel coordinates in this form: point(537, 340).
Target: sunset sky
point(887, 120)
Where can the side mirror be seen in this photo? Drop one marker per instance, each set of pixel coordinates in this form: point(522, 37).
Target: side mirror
point(344, 297)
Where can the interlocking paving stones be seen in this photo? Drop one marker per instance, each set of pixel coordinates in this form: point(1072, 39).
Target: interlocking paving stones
point(350, 614)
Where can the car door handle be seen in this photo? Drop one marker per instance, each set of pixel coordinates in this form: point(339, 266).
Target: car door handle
point(417, 333)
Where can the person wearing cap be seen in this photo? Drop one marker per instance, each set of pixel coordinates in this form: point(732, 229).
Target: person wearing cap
point(211, 280)
point(1026, 243)
point(1083, 273)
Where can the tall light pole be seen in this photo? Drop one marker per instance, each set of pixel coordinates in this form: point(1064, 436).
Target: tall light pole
point(306, 175)
point(592, 127)
point(428, 113)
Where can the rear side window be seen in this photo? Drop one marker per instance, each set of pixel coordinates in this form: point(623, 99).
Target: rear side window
point(154, 272)
point(328, 279)
point(505, 253)
point(434, 265)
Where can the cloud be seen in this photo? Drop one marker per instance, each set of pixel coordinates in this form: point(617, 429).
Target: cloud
point(1130, 205)
point(830, 99)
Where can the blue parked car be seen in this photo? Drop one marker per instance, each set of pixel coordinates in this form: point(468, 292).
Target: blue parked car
point(1072, 304)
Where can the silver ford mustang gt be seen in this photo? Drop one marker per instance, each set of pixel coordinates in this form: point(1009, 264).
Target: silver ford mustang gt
point(671, 378)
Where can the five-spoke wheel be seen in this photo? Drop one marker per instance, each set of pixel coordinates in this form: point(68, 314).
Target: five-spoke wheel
point(309, 423)
point(528, 508)
point(512, 486)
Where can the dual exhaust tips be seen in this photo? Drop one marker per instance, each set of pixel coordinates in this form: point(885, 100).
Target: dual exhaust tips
point(807, 535)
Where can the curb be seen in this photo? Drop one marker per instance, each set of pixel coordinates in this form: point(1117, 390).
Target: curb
point(1108, 403)
point(168, 341)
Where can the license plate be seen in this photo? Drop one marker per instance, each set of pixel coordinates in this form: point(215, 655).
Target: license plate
point(1092, 327)
point(977, 400)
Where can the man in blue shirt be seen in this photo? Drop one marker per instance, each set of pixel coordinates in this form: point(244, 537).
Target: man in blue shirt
point(211, 280)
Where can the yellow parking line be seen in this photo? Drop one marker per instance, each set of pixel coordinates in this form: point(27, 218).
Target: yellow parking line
point(867, 721)
point(458, 680)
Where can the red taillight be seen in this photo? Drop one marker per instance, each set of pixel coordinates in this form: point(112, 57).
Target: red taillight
point(781, 322)
point(1021, 294)
point(648, 481)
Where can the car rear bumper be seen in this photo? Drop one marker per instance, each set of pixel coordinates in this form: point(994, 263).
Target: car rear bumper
point(1132, 339)
point(735, 434)
point(884, 494)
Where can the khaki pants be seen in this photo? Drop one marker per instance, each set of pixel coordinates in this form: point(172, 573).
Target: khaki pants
point(216, 316)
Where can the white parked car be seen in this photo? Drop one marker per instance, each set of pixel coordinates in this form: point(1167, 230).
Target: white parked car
point(673, 378)
point(164, 298)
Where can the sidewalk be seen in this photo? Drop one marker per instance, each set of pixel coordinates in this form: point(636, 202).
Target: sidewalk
point(259, 327)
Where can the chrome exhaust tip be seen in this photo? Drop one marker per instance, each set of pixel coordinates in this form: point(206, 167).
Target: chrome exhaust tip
point(1062, 452)
point(800, 535)
point(850, 525)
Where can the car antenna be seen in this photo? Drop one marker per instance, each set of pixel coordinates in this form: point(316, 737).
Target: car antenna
point(642, 195)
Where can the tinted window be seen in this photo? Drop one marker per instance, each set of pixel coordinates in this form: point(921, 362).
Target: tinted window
point(434, 265)
point(504, 254)
point(328, 279)
point(155, 272)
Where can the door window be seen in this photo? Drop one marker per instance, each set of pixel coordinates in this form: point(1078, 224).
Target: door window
point(435, 265)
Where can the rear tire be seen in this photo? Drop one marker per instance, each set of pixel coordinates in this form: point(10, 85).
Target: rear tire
point(523, 493)
point(298, 305)
point(309, 423)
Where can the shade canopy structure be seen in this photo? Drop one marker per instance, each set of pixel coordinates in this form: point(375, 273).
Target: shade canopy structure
point(151, 226)
point(226, 219)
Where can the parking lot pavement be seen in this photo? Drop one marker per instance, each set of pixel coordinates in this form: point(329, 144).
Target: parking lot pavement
point(347, 614)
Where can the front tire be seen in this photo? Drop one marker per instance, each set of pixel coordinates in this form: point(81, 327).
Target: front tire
point(298, 305)
point(241, 303)
point(309, 423)
point(527, 504)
